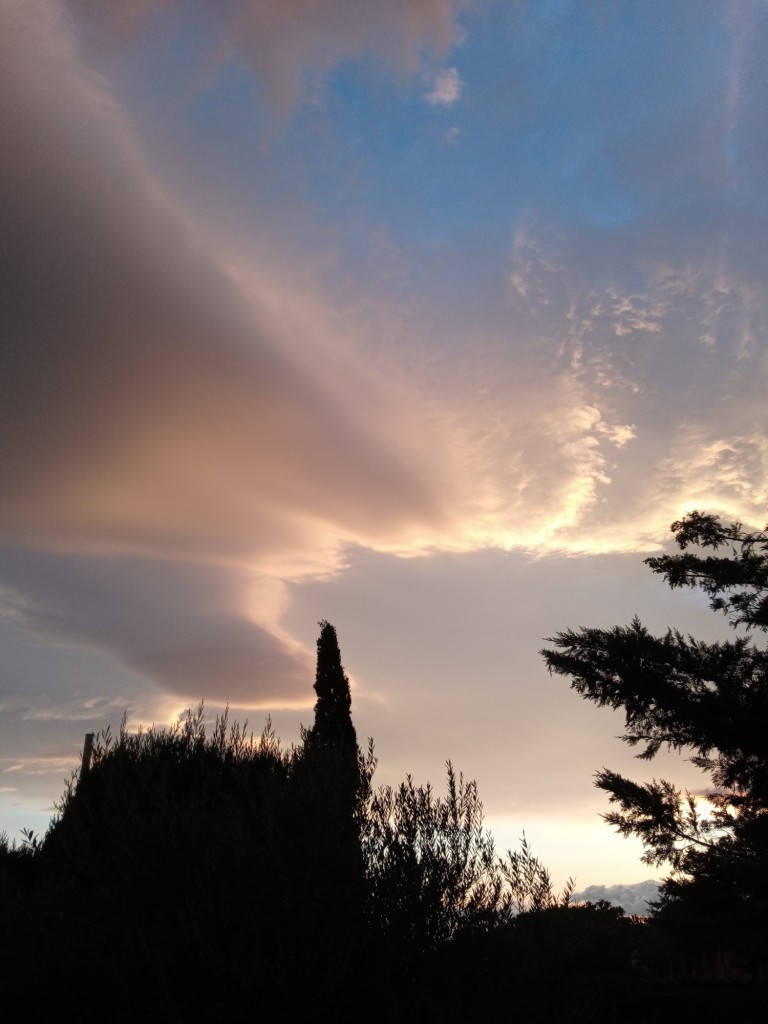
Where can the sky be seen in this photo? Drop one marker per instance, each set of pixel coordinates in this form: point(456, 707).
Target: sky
point(423, 317)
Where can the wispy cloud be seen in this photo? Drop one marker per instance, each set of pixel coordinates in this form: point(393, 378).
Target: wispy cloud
point(446, 89)
point(46, 764)
point(284, 41)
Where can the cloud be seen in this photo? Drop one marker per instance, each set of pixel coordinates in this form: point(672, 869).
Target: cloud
point(715, 472)
point(634, 899)
point(199, 410)
point(286, 41)
point(67, 707)
point(46, 764)
point(151, 403)
point(446, 89)
point(654, 337)
point(159, 418)
point(183, 625)
point(186, 430)
point(182, 432)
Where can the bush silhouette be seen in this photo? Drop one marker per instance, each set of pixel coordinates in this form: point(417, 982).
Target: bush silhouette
point(186, 855)
point(209, 873)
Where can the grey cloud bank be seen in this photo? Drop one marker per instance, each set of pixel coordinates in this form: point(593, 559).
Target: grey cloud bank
point(633, 898)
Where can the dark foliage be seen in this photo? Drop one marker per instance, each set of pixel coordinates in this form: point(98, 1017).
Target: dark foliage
point(736, 584)
point(431, 870)
point(708, 699)
point(333, 718)
point(195, 874)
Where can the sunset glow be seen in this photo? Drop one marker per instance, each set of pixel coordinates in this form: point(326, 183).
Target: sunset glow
point(427, 319)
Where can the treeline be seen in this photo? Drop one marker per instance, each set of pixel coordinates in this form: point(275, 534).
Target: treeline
point(208, 875)
point(214, 874)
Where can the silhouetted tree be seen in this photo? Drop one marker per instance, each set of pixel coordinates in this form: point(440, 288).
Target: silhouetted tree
point(431, 868)
point(285, 880)
point(710, 698)
point(333, 716)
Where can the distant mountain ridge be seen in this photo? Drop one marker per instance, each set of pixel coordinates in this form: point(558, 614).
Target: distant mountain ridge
point(633, 898)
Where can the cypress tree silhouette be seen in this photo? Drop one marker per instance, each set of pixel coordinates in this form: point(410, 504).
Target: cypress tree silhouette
point(329, 787)
point(333, 718)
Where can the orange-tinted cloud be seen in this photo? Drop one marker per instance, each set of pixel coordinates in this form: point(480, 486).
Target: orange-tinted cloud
point(158, 419)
